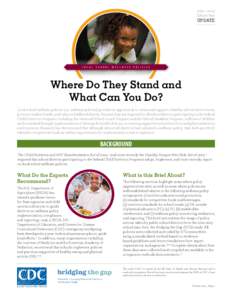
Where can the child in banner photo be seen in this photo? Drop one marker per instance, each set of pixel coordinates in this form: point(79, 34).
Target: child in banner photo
point(117, 37)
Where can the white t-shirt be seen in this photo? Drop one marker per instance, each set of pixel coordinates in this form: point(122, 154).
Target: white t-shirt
point(105, 51)
point(93, 201)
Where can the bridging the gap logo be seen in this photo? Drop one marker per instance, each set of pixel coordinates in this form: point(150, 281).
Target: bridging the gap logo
point(32, 276)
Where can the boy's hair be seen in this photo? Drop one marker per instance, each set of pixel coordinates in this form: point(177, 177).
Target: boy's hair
point(108, 26)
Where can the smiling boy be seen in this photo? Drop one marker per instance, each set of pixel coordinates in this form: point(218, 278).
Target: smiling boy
point(93, 199)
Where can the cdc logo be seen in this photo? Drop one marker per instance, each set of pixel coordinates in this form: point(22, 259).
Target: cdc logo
point(32, 276)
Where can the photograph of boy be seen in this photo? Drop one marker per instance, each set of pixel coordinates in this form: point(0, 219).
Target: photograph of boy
point(94, 199)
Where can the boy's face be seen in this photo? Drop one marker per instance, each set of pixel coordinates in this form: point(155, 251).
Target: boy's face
point(126, 38)
point(95, 181)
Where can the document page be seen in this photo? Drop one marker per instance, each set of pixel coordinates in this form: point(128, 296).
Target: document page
point(116, 160)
